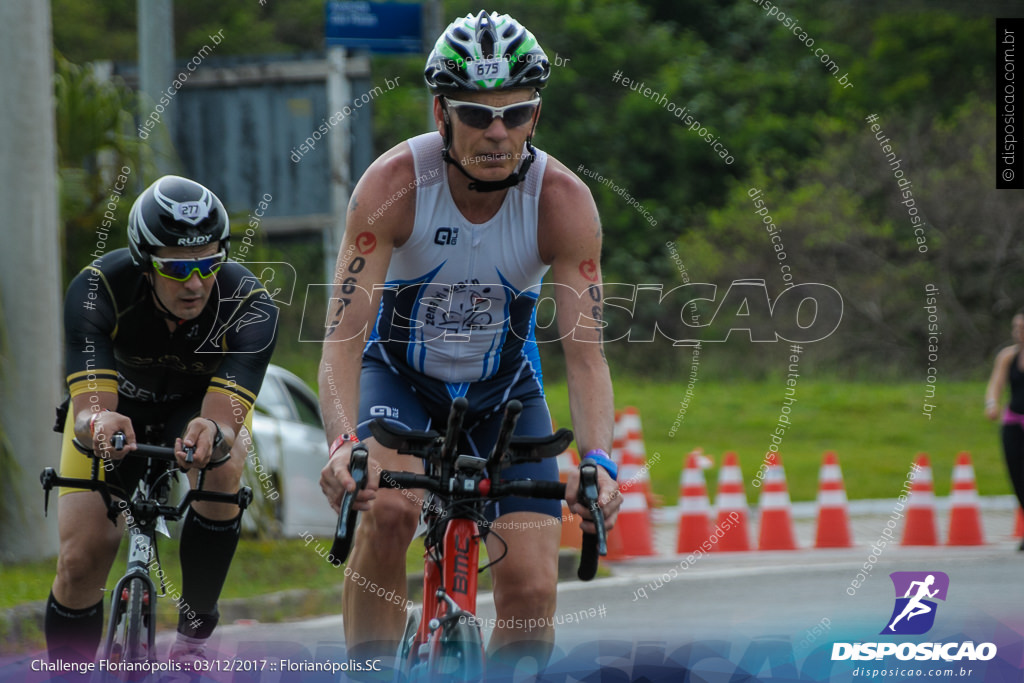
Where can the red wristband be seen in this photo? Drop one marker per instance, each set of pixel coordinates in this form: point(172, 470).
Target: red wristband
point(342, 438)
point(92, 423)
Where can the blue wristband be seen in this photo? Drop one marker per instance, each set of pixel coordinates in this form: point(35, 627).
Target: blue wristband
point(599, 457)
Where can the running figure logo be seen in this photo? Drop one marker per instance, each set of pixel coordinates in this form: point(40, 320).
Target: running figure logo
point(914, 612)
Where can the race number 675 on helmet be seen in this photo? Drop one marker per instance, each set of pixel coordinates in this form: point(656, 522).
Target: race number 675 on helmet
point(486, 53)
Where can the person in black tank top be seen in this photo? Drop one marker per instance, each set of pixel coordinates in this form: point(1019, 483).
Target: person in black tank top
point(1008, 366)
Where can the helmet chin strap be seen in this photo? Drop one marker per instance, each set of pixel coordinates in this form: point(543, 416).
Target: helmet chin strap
point(513, 178)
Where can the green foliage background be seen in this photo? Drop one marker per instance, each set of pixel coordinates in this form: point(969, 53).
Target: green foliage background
point(925, 69)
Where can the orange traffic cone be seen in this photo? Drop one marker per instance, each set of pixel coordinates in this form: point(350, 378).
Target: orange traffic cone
point(616, 541)
point(629, 421)
point(634, 525)
point(694, 507)
point(965, 513)
point(776, 531)
point(921, 527)
point(572, 536)
point(633, 534)
point(731, 504)
point(634, 474)
point(618, 446)
point(833, 523)
point(618, 428)
point(1018, 526)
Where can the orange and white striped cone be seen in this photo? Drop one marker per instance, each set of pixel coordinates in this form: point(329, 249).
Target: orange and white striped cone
point(618, 448)
point(633, 534)
point(731, 505)
point(921, 527)
point(616, 541)
point(694, 508)
point(964, 508)
point(776, 532)
point(572, 535)
point(833, 522)
point(618, 428)
point(634, 526)
point(629, 421)
point(634, 474)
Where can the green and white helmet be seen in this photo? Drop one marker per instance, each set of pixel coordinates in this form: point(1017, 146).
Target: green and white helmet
point(486, 52)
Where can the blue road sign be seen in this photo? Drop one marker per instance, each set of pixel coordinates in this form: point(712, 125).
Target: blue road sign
point(375, 26)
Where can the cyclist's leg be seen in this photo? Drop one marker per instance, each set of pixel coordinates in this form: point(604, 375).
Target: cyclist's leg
point(209, 537)
point(73, 621)
point(374, 596)
point(526, 580)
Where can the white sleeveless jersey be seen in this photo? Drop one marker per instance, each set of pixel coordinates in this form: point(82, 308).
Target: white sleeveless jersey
point(460, 297)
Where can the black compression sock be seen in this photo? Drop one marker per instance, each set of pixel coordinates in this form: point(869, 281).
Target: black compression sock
point(207, 547)
point(72, 634)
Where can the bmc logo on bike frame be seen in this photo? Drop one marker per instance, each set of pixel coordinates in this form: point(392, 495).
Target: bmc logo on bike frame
point(685, 315)
point(460, 576)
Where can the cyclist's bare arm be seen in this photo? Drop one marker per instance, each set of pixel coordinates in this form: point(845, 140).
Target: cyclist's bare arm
point(569, 238)
point(373, 229)
point(994, 390)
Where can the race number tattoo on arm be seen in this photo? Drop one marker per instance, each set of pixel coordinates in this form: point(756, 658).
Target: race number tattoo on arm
point(597, 314)
point(348, 287)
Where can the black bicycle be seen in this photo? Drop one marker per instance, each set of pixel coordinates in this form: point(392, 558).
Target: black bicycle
point(131, 628)
point(448, 644)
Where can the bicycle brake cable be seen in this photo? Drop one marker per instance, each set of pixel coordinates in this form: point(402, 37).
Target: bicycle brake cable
point(500, 557)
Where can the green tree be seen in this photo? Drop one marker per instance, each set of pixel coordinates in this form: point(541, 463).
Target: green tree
point(95, 139)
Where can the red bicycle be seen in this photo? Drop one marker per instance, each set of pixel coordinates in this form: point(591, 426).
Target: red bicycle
point(448, 643)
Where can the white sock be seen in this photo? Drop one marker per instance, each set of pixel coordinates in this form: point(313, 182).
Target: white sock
point(187, 644)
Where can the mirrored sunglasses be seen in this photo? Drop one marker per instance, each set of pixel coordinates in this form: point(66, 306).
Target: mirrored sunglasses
point(182, 269)
point(480, 116)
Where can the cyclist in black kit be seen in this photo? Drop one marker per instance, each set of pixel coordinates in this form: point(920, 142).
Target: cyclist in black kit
point(168, 342)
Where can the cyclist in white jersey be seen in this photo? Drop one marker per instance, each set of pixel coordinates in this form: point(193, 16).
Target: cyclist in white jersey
point(447, 238)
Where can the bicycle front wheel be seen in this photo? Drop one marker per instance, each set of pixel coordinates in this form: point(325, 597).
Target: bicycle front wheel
point(127, 639)
point(406, 658)
point(458, 654)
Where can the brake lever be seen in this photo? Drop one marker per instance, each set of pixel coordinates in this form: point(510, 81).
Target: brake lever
point(47, 478)
point(345, 531)
point(594, 545)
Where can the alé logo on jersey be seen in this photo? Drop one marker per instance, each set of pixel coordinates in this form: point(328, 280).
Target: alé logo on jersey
point(446, 236)
point(913, 614)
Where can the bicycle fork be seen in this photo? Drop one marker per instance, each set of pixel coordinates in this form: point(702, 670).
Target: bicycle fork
point(138, 611)
point(449, 593)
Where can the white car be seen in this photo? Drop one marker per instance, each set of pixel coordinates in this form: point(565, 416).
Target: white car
point(283, 467)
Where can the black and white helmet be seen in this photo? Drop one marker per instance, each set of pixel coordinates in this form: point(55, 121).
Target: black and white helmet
point(486, 52)
point(175, 212)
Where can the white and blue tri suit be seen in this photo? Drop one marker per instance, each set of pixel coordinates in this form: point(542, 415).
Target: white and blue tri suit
point(457, 318)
